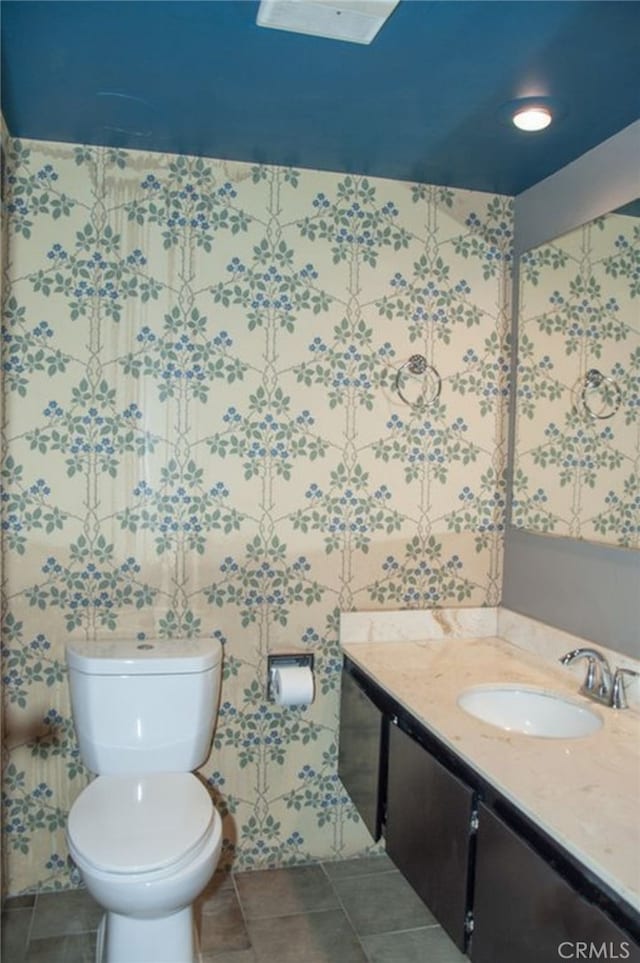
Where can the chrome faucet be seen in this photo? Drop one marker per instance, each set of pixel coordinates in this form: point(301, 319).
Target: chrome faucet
point(598, 683)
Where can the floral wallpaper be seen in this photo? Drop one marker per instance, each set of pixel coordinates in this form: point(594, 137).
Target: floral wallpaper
point(577, 454)
point(203, 437)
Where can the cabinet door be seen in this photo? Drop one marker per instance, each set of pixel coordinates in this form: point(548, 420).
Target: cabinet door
point(428, 830)
point(361, 752)
point(524, 910)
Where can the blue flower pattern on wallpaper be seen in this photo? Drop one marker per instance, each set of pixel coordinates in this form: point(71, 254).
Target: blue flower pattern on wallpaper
point(202, 437)
point(576, 474)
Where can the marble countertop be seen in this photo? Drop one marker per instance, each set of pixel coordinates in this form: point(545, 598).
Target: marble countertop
point(583, 792)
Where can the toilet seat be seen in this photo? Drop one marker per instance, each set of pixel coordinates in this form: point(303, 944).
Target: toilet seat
point(128, 825)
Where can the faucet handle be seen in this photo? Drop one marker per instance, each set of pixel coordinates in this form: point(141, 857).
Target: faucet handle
point(618, 694)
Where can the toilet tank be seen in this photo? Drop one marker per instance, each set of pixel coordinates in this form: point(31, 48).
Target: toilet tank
point(144, 706)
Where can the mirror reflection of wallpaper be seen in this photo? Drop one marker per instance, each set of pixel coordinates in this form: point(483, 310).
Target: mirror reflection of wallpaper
point(577, 474)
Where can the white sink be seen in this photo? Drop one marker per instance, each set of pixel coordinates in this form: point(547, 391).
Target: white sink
point(533, 712)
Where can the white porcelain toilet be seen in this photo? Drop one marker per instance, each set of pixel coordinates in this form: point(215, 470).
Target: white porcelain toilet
point(145, 834)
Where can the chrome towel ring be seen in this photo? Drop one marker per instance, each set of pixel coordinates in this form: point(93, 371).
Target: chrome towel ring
point(607, 388)
point(417, 364)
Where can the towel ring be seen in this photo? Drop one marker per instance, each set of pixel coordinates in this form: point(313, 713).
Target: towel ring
point(594, 380)
point(418, 365)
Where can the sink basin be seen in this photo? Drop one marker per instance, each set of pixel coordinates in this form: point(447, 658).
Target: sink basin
point(533, 712)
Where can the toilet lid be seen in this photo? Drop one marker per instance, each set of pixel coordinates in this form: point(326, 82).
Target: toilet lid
point(138, 824)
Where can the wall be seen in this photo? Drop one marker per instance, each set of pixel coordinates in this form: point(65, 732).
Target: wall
point(587, 589)
point(203, 437)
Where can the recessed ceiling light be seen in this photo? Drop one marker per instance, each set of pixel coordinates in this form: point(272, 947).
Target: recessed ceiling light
point(532, 118)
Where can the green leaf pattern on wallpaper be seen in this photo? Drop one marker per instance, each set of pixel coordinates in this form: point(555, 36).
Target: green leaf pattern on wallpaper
point(203, 437)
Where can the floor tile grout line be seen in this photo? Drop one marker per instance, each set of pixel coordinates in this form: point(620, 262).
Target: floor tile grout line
point(409, 929)
point(30, 926)
point(7, 923)
point(348, 918)
point(245, 921)
point(54, 936)
point(375, 872)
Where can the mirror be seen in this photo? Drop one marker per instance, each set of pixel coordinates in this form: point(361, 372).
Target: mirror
point(577, 424)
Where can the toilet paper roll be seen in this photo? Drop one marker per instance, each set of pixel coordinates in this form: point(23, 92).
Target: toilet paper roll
point(293, 685)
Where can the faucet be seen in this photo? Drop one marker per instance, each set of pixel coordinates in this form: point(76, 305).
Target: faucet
point(598, 683)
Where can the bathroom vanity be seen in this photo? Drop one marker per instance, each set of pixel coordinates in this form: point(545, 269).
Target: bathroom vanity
point(522, 847)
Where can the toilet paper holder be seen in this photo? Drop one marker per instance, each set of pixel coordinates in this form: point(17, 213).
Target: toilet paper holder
point(280, 660)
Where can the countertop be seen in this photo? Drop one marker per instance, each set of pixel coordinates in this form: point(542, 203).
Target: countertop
point(582, 792)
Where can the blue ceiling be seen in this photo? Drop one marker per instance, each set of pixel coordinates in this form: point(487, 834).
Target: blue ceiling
point(426, 101)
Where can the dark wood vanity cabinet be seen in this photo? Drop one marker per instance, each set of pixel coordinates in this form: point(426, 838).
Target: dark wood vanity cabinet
point(362, 753)
point(429, 826)
point(401, 790)
point(503, 891)
point(526, 911)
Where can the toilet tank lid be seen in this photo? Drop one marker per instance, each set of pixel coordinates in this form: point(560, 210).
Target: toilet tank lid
point(142, 657)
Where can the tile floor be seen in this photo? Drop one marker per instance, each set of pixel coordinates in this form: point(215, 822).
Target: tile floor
point(355, 911)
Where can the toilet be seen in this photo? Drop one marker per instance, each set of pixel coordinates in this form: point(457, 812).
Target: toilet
point(145, 834)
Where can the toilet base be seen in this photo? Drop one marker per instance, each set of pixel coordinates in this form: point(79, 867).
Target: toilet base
point(168, 939)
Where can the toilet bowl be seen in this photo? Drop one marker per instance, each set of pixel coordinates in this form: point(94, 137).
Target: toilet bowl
point(146, 846)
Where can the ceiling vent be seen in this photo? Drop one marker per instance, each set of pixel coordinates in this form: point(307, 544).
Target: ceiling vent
point(356, 21)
